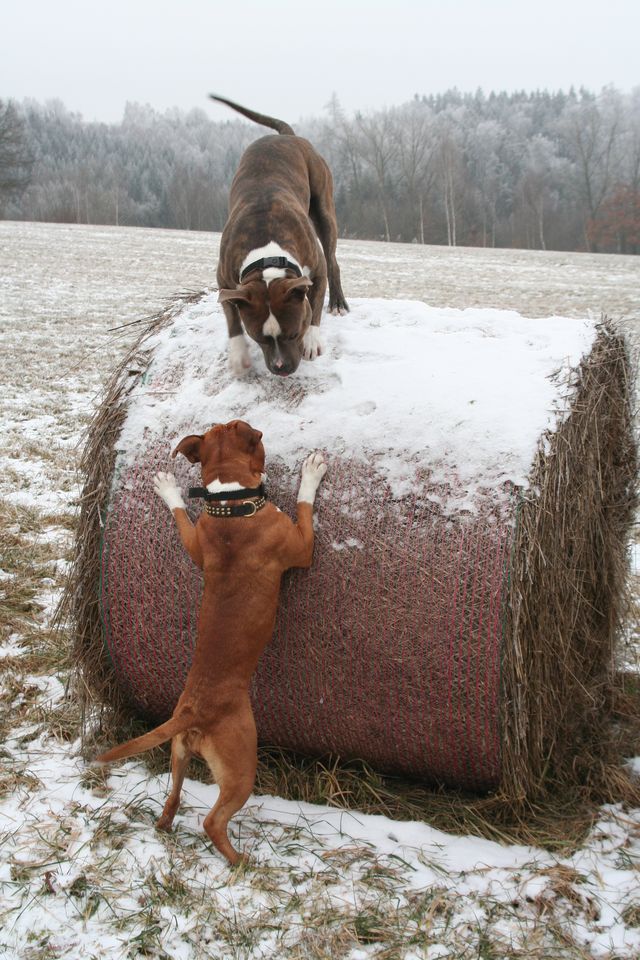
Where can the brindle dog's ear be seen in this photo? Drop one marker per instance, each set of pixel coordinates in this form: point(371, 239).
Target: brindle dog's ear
point(296, 287)
point(189, 447)
point(241, 294)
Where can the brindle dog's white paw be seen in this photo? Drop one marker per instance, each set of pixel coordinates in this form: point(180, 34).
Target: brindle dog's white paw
point(312, 345)
point(239, 358)
point(165, 486)
point(313, 470)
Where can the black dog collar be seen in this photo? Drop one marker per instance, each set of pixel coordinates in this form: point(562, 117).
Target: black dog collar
point(280, 262)
point(245, 494)
point(247, 509)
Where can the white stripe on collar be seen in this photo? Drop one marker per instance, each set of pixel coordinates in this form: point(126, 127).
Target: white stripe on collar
point(216, 487)
point(272, 249)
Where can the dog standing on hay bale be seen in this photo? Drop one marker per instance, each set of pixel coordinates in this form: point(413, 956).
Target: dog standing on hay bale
point(272, 272)
point(242, 563)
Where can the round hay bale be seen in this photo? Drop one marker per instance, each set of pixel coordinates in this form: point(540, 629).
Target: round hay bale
point(458, 623)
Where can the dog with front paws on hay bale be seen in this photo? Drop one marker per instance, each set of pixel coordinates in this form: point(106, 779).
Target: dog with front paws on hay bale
point(243, 544)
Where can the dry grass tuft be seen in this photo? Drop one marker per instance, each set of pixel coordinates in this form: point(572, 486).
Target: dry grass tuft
point(29, 558)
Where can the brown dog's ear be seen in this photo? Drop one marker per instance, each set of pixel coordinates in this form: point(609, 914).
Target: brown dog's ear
point(241, 294)
point(189, 447)
point(250, 436)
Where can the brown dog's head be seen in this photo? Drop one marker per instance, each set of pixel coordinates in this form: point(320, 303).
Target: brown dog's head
point(228, 452)
point(276, 315)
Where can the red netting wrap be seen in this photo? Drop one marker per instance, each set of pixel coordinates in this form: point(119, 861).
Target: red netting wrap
point(388, 648)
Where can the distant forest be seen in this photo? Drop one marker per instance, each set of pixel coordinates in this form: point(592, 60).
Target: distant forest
point(555, 171)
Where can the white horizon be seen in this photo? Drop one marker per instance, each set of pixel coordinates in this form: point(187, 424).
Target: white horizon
point(96, 59)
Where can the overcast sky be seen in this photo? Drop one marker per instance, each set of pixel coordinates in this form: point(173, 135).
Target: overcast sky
point(287, 58)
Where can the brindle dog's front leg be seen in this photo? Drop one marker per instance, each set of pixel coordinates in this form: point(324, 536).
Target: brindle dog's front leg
point(239, 359)
point(312, 343)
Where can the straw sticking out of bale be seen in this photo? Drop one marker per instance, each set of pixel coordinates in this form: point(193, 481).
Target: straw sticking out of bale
point(525, 594)
point(96, 684)
point(567, 598)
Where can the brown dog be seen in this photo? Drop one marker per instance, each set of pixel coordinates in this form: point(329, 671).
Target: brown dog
point(272, 272)
point(243, 551)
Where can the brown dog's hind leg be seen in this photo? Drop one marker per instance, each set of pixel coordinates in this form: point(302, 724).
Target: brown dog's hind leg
point(180, 756)
point(231, 753)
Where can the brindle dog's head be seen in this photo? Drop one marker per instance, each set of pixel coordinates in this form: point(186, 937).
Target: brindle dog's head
point(228, 452)
point(276, 315)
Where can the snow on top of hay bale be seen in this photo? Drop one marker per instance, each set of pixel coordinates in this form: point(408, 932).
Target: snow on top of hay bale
point(484, 386)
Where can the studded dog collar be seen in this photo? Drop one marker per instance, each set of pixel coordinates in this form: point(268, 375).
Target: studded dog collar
point(254, 499)
point(247, 509)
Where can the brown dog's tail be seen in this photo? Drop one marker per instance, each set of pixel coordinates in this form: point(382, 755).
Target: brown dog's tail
point(278, 125)
point(152, 739)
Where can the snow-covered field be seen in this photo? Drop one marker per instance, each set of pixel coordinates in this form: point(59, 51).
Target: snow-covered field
point(82, 871)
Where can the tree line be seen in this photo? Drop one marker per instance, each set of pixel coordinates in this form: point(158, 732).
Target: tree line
point(537, 170)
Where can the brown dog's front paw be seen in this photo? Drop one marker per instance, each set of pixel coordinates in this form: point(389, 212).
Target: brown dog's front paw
point(165, 824)
point(313, 470)
point(165, 486)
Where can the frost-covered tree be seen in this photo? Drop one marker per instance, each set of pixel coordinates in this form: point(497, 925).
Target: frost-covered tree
point(590, 129)
point(376, 136)
point(542, 169)
point(15, 156)
point(416, 158)
point(487, 171)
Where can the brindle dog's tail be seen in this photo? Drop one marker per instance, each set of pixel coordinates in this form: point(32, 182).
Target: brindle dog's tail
point(278, 125)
